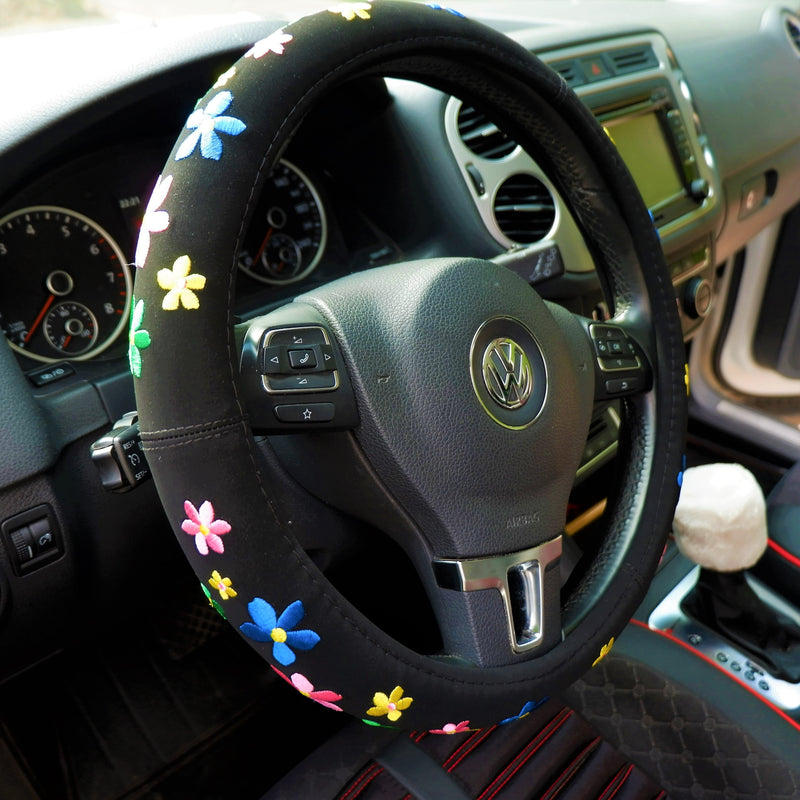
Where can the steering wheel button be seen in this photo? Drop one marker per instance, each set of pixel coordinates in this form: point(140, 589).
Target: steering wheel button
point(302, 359)
point(273, 359)
point(296, 337)
point(310, 412)
point(609, 364)
point(312, 382)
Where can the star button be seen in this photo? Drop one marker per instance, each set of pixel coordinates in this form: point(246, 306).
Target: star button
point(307, 414)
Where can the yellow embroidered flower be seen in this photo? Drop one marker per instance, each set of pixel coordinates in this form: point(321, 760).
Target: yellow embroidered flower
point(352, 10)
point(392, 706)
point(180, 285)
point(604, 651)
point(222, 585)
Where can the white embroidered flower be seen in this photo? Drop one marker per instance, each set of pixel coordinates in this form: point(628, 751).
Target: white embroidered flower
point(274, 43)
point(154, 220)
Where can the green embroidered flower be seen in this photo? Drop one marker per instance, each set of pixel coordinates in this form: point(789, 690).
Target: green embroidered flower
point(212, 602)
point(138, 338)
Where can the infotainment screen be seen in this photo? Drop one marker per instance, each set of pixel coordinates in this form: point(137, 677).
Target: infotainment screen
point(644, 149)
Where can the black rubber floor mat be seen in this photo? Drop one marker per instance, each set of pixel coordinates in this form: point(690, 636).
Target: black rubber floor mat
point(151, 713)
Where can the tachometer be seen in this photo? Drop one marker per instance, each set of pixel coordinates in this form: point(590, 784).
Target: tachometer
point(64, 284)
point(287, 235)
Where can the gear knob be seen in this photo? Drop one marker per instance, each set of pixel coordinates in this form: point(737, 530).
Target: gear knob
point(721, 520)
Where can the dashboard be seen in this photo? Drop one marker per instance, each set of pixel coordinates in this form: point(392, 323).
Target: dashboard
point(68, 238)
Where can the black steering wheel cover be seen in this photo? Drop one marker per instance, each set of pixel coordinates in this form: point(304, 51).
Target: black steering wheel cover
point(193, 422)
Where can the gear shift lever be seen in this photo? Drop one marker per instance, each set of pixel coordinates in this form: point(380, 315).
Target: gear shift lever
point(721, 524)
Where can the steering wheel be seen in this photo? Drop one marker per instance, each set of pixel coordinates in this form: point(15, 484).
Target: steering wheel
point(454, 395)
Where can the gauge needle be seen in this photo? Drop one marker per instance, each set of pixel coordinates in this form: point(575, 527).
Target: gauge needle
point(39, 318)
point(263, 247)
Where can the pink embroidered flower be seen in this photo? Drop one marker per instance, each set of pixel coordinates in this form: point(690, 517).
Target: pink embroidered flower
point(452, 727)
point(205, 529)
point(305, 687)
point(155, 220)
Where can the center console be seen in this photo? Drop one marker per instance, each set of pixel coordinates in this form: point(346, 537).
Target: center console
point(638, 93)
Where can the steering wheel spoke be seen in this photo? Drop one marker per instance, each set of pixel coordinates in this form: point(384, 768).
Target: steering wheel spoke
point(621, 365)
point(517, 594)
point(293, 375)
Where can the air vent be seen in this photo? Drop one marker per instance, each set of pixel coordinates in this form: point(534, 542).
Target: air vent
point(793, 31)
point(570, 71)
point(632, 59)
point(524, 209)
point(481, 135)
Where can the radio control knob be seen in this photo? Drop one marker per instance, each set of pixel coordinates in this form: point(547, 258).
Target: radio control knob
point(697, 297)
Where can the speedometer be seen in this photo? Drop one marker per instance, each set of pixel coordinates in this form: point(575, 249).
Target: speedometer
point(287, 236)
point(64, 284)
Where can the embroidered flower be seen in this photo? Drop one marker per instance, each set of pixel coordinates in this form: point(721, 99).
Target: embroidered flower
point(154, 220)
point(352, 10)
point(212, 602)
point(392, 706)
point(205, 122)
point(305, 687)
point(204, 527)
point(222, 585)
point(138, 338)
point(224, 78)
point(531, 705)
point(180, 285)
point(604, 651)
point(274, 43)
point(438, 7)
point(266, 626)
point(453, 727)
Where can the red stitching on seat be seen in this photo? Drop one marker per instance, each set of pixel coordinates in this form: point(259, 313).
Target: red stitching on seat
point(525, 755)
point(572, 768)
point(616, 783)
point(362, 781)
point(467, 747)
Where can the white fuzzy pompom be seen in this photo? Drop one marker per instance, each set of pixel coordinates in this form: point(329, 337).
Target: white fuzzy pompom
point(721, 519)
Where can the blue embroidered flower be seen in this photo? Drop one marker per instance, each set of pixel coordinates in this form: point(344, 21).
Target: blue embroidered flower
point(269, 627)
point(438, 7)
point(531, 705)
point(205, 123)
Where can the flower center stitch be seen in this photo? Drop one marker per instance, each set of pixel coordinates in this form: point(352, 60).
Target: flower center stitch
point(207, 125)
point(278, 635)
point(204, 529)
point(392, 706)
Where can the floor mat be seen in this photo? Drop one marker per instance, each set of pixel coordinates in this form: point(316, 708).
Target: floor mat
point(158, 713)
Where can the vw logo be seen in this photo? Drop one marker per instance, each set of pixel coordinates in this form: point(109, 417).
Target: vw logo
point(507, 373)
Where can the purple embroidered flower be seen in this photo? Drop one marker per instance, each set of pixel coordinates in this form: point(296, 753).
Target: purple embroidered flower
point(274, 43)
point(205, 529)
point(155, 220)
point(205, 122)
point(267, 626)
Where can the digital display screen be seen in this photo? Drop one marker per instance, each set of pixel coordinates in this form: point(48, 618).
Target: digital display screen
point(641, 143)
